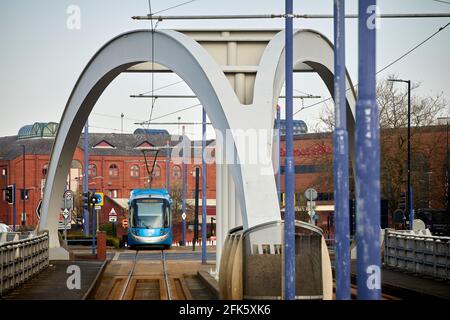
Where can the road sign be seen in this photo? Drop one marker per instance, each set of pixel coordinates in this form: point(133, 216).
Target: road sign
point(38, 209)
point(311, 194)
point(68, 199)
point(112, 212)
point(101, 197)
point(68, 194)
point(97, 207)
point(112, 218)
point(183, 216)
point(64, 223)
point(65, 213)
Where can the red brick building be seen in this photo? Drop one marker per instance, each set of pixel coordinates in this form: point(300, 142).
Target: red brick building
point(117, 165)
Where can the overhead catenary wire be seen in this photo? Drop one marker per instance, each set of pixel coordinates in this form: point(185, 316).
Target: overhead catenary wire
point(174, 112)
point(282, 16)
point(175, 6)
point(385, 67)
point(162, 87)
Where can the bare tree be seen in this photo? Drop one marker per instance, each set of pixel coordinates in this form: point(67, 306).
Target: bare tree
point(427, 144)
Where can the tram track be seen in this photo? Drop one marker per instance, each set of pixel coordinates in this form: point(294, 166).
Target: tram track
point(166, 277)
point(148, 280)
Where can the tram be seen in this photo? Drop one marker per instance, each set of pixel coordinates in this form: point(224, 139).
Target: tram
point(150, 218)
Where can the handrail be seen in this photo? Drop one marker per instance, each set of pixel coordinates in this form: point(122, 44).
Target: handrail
point(20, 260)
point(420, 254)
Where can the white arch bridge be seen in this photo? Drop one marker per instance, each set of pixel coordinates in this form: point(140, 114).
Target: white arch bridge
point(237, 76)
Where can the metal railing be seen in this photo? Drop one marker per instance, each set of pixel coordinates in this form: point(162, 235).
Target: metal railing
point(21, 260)
point(418, 253)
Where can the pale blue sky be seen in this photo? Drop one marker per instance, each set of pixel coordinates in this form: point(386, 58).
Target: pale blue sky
point(40, 59)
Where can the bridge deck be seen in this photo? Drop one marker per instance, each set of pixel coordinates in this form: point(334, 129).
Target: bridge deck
point(51, 284)
point(408, 286)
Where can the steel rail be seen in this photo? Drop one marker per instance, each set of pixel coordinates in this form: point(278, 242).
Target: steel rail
point(130, 274)
point(166, 277)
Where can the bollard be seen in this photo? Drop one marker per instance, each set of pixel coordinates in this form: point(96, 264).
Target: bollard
point(101, 245)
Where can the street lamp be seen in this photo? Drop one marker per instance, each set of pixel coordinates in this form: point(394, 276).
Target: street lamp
point(409, 191)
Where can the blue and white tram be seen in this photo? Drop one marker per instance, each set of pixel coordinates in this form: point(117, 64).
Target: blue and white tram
point(150, 218)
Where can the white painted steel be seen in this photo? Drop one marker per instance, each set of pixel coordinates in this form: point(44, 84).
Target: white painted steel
point(254, 183)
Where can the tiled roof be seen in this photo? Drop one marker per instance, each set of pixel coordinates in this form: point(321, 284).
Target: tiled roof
point(125, 145)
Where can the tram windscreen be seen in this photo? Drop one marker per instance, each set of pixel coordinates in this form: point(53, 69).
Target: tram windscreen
point(148, 213)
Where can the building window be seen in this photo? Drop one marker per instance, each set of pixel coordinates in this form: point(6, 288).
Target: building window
point(157, 171)
point(45, 169)
point(176, 172)
point(4, 172)
point(325, 196)
point(308, 168)
point(113, 193)
point(134, 171)
point(92, 170)
point(114, 170)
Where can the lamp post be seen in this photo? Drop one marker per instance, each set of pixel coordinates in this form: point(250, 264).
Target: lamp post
point(408, 188)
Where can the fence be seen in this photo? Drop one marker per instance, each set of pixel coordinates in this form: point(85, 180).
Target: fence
point(418, 253)
point(22, 259)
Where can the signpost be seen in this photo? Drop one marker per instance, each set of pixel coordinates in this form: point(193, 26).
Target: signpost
point(68, 199)
point(98, 206)
point(112, 215)
point(65, 215)
point(113, 219)
point(311, 195)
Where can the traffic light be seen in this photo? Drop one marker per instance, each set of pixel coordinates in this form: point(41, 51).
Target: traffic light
point(86, 199)
point(96, 198)
point(24, 194)
point(10, 194)
point(402, 201)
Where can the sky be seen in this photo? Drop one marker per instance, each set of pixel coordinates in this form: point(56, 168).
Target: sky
point(41, 58)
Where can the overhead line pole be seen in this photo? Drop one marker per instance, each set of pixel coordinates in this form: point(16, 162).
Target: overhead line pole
point(168, 166)
point(183, 190)
point(340, 145)
point(367, 159)
point(289, 216)
point(204, 200)
point(85, 180)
